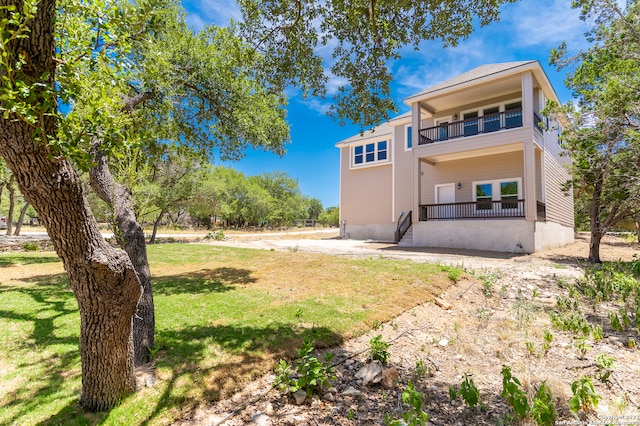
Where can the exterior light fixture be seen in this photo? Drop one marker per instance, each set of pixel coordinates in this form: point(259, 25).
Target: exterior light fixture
point(459, 185)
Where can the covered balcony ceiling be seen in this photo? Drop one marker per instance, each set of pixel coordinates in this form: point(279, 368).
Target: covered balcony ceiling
point(449, 98)
point(459, 155)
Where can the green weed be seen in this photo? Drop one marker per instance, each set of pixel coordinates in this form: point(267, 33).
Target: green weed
point(585, 399)
point(379, 349)
point(414, 416)
point(312, 373)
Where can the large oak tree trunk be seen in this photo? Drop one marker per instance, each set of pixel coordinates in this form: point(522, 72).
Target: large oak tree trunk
point(102, 278)
point(130, 236)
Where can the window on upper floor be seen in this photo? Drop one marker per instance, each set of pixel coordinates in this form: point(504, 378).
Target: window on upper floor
point(491, 119)
point(409, 138)
point(371, 153)
point(513, 115)
point(559, 126)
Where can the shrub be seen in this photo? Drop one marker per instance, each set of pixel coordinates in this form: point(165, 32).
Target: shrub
point(30, 247)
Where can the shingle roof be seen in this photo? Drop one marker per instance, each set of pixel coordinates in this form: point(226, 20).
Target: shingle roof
point(474, 74)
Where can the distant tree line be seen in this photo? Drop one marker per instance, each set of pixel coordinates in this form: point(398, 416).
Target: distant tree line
point(180, 190)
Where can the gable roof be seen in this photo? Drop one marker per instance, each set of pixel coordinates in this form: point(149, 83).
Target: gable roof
point(478, 73)
point(385, 129)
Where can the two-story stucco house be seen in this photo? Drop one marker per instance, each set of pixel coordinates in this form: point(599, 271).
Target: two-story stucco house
point(468, 167)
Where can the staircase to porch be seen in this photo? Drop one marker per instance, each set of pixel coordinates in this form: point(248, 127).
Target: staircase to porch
point(407, 238)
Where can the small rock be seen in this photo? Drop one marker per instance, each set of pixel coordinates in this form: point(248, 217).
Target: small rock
point(351, 391)
point(296, 420)
point(332, 390)
point(329, 397)
point(269, 409)
point(299, 396)
point(260, 419)
point(370, 373)
point(390, 377)
point(315, 401)
point(443, 342)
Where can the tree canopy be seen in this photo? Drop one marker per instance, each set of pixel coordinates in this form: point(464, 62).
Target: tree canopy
point(75, 76)
point(603, 132)
point(363, 37)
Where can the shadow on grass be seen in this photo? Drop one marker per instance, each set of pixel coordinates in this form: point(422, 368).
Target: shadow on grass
point(49, 358)
point(10, 259)
point(198, 363)
point(205, 281)
point(251, 351)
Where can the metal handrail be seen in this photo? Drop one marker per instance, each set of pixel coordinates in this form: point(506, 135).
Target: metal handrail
point(403, 225)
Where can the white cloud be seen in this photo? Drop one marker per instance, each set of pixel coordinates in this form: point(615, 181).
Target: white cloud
point(195, 21)
point(544, 23)
point(317, 105)
point(334, 82)
point(432, 63)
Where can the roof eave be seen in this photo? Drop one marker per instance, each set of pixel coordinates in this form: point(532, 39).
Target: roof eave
point(425, 95)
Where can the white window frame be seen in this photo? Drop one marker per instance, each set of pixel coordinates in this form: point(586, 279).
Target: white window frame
point(375, 162)
point(495, 191)
point(408, 128)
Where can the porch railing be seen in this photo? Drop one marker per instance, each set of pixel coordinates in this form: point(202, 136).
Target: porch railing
point(472, 126)
point(537, 119)
point(473, 210)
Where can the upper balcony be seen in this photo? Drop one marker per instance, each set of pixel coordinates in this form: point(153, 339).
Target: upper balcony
point(509, 119)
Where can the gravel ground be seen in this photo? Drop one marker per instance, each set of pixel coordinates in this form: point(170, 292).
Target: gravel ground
point(477, 335)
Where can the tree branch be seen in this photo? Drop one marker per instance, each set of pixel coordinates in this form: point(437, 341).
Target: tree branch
point(132, 102)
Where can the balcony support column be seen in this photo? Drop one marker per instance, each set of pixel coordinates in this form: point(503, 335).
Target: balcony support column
point(527, 99)
point(417, 183)
point(416, 115)
point(529, 158)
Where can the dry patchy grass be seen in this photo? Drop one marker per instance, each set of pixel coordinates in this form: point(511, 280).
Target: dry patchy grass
point(223, 317)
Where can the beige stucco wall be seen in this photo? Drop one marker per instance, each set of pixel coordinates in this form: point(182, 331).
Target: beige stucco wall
point(494, 235)
point(550, 234)
point(466, 171)
point(377, 232)
point(365, 193)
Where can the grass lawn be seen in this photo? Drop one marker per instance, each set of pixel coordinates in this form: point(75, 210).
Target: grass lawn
point(223, 316)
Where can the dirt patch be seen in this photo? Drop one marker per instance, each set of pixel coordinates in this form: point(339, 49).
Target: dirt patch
point(488, 326)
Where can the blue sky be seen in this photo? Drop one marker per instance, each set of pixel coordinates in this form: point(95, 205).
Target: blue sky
point(527, 30)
